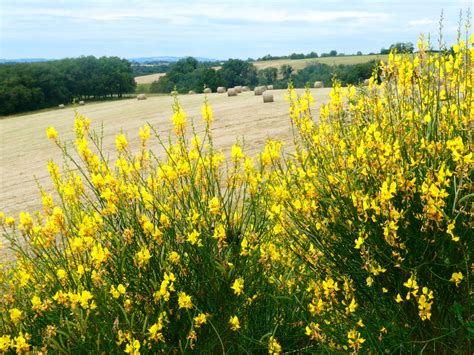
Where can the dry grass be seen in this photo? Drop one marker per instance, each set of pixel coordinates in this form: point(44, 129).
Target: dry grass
point(25, 150)
point(299, 64)
point(148, 79)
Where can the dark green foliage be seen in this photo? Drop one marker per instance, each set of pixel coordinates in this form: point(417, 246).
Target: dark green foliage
point(185, 75)
point(32, 86)
point(267, 76)
point(346, 74)
point(188, 74)
point(238, 72)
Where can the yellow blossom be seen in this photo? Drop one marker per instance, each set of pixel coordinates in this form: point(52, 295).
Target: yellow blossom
point(200, 319)
point(238, 286)
point(456, 277)
point(51, 133)
point(184, 301)
point(273, 346)
point(15, 315)
point(234, 323)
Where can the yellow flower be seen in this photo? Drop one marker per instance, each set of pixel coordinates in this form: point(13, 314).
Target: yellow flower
point(273, 346)
point(456, 277)
point(200, 319)
point(358, 242)
point(61, 274)
point(234, 323)
point(194, 239)
point(399, 298)
point(5, 341)
point(238, 286)
point(214, 205)
point(142, 257)
point(156, 329)
point(121, 142)
point(207, 112)
point(10, 221)
point(449, 230)
point(51, 133)
point(184, 301)
point(20, 343)
point(133, 347)
point(15, 315)
point(174, 257)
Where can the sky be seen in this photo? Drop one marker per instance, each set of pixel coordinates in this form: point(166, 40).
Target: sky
point(217, 29)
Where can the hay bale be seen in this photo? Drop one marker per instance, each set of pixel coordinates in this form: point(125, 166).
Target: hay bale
point(366, 82)
point(245, 88)
point(61, 106)
point(318, 84)
point(173, 93)
point(258, 90)
point(269, 87)
point(191, 92)
point(81, 103)
point(207, 91)
point(238, 89)
point(231, 92)
point(221, 90)
point(267, 97)
point(141, 97)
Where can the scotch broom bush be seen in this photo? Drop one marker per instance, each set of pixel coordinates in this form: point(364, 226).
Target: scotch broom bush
point(359, 240)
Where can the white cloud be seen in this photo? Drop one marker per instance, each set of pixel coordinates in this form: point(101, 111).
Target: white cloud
point(422, 22)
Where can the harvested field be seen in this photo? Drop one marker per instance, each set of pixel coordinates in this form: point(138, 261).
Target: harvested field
point(148, 79)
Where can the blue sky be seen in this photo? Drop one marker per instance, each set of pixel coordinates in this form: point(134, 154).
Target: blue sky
point(216, 29)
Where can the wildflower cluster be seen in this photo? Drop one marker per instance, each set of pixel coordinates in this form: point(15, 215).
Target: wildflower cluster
point(359, 240)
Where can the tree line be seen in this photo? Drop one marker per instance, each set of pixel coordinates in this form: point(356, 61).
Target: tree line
point(188, 74)
point(32, 86)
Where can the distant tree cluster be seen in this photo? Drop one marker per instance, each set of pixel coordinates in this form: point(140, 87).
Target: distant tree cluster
point(188, 74)
point(346, 74)
point(313, 54)
point(400, 47)
point(32, 86)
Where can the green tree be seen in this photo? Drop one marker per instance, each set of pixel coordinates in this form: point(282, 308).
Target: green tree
point(237, 72)
point(286, 71)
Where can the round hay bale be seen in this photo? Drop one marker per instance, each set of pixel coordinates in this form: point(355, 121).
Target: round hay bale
point(141, 97)
point(366, 82)
point(81, 103)
point(61, 106)
point(269, 87)
point(238, 89)
point(221, 90)
point(258, 90)
point(231, 92)
point(267, 97)
point(207, 91)
point(173, 93)
point(191, 92)
point(318, 84)
point(245, 88)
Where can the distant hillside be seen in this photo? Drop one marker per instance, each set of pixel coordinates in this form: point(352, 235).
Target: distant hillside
point(299, 64)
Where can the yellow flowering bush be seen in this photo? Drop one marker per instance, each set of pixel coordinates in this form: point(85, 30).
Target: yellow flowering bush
point(146, 254)
point(378, 195)
point(359, 240)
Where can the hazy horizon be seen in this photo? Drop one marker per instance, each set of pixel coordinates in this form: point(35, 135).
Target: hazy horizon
point(216, 29)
